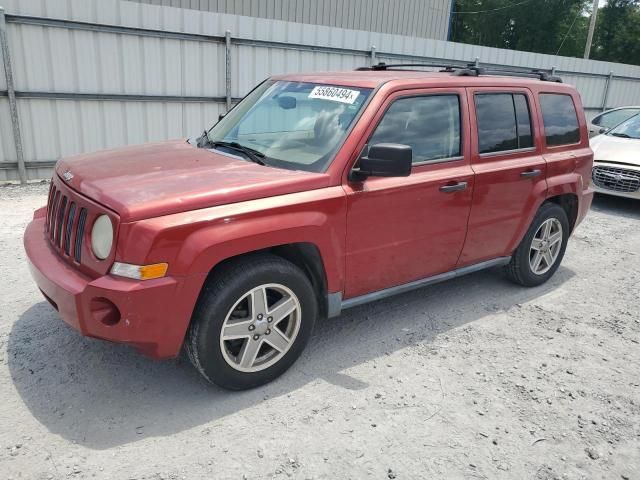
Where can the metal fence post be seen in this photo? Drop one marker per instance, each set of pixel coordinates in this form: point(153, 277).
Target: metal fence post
point(11, 93)
point(227, 64)
point(605, 95)
point(373, 55)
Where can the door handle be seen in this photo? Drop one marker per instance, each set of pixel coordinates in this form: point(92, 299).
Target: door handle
point(455, 187)
point(530, 173)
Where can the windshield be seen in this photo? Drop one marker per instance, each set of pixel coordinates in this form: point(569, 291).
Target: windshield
point(627, 129)
point(293, 125)
point(611, 119)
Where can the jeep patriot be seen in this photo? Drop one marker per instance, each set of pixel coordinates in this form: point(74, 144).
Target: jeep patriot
point(315, 193)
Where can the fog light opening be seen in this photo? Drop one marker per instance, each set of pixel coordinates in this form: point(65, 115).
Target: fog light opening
point(105, 311)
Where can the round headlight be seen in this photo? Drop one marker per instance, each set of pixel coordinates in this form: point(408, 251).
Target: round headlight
point(102, 237)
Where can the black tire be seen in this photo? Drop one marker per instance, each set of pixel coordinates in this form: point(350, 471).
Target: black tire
point(218, 297)
point(519, 269)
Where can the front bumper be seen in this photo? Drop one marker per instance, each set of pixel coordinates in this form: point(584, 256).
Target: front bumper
point(150, 315)
point(635, 195)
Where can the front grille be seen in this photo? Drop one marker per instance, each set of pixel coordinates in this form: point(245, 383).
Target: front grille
point(616, 179)
point(63, 229)
point(68, 222)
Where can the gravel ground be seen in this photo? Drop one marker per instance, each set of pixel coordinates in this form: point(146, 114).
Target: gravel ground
point(474, 378)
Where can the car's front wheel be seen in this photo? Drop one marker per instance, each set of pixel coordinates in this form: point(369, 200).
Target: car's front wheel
point(542, 248)
point(252, 322)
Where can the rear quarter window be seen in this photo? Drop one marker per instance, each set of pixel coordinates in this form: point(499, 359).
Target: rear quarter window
point(560, 119)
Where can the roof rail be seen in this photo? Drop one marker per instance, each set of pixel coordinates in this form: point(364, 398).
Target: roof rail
point(393, 66)
point(471, 70)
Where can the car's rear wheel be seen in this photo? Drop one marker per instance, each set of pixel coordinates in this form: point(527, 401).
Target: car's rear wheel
point(252, 322)
point(539, 254)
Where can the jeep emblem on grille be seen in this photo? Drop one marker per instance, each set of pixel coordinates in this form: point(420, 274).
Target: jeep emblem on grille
point(67, 175)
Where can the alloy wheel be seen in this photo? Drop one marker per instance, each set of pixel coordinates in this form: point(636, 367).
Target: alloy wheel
point(545, 246)
point(260, 327)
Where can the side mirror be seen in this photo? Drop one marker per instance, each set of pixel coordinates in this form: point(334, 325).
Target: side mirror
point(385, 160)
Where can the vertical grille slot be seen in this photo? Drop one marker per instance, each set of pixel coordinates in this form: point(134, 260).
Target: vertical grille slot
point(52, 190)
point(67, 235)
point(80, 234)
point(59, 221)
point(54, 209)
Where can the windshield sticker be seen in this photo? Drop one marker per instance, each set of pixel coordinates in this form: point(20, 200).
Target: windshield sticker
point(335, 94)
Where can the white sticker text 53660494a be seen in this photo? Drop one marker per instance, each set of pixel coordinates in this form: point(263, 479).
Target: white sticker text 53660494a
point(336, 94)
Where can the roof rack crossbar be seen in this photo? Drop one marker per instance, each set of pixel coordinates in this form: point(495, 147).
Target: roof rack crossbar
point(470, 70)
point(473, 70)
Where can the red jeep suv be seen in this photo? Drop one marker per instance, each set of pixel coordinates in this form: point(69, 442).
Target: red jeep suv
point(316, 193)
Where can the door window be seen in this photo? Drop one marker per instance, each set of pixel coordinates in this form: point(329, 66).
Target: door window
point(430, 125)
point(560, 119)
point(504, 122)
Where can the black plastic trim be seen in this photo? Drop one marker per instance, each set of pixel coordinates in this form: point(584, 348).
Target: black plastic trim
point(388, 292)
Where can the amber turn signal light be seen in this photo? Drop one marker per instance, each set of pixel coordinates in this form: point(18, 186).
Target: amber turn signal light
point(140, 272)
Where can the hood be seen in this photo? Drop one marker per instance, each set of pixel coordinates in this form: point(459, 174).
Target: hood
point(171, 177)
point(607, 148)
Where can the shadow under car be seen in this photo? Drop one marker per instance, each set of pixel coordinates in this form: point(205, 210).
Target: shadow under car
point(101, 395)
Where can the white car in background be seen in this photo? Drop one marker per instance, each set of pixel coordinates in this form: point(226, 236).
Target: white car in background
point(609, 119)
point(616, 160)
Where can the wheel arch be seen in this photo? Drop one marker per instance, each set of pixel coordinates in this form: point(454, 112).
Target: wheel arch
point(567, 199)
point(304, 255)
point(567, 191)
point(569, 203)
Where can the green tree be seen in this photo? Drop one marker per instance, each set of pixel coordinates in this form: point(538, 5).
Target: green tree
point(551, 26)
point(541, 26)
point(617, 34)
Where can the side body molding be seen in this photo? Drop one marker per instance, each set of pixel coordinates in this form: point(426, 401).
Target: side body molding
point(337, 304)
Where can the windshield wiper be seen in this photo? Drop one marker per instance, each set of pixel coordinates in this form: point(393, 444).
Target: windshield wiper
point(253, 155)
point(621, 135)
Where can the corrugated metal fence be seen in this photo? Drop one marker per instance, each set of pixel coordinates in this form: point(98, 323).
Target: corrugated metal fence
point(416, 18)
point(96, 74)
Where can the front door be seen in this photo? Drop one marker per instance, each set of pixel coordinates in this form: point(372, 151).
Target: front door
point(405, 229)
point(510, 172)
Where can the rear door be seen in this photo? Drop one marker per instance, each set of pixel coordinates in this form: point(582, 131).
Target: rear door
point(404, 229)
point(510, 171)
